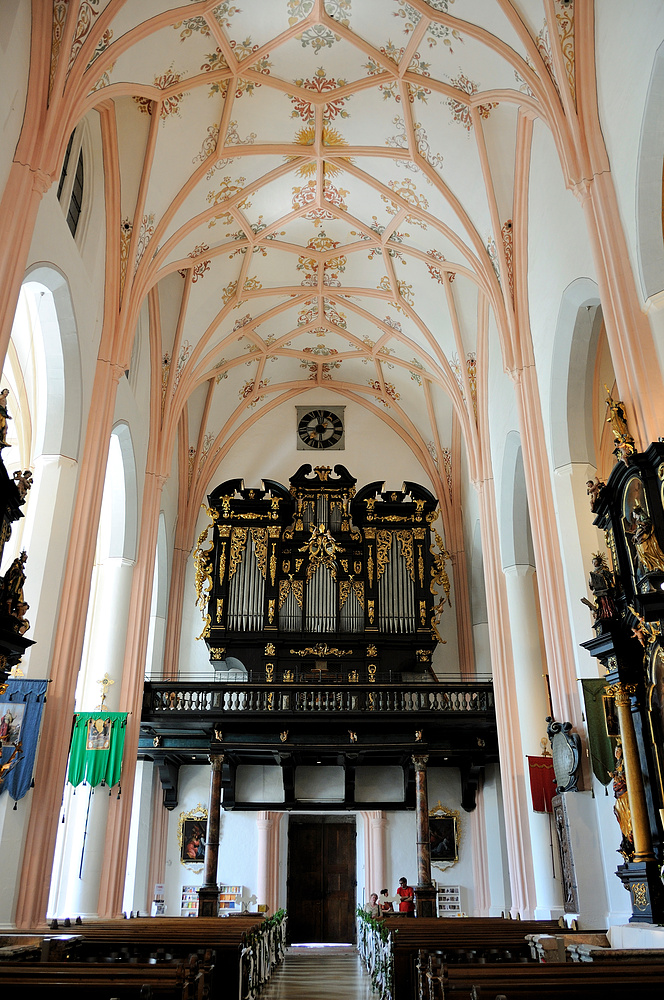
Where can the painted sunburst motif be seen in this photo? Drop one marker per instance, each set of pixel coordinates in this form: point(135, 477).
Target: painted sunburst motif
point(331, 137)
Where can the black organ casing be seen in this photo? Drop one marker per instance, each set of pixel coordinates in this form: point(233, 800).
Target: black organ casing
point(320, 581)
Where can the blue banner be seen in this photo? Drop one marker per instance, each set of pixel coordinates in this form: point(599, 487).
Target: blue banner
point(21, 708)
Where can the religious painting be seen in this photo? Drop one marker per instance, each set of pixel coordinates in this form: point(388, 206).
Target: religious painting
point(99, 734)
point(444, 836)
point(611, 716)
point(11, 720)
point(192, 836)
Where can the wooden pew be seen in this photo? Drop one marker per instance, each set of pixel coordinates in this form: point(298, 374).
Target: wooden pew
point(216, 942)
point(163, 981)
point(458, 939)
point(535, 981)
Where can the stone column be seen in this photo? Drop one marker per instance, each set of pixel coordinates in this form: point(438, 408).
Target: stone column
point(425, 892)
point(208, 894)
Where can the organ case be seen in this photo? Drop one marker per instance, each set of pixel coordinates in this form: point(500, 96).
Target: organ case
point(321, 580)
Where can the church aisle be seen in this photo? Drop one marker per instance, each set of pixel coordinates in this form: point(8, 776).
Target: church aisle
point(319, 974)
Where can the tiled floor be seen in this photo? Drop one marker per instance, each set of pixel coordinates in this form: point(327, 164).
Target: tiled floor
point(320, 974)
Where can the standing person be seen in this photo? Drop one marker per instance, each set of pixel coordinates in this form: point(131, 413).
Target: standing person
point(384, 902)
point(372, 907)
point(406, 895)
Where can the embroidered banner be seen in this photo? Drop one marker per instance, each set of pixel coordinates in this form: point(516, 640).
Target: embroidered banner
point(542, 783)
point(96, 748)
point(21, 708)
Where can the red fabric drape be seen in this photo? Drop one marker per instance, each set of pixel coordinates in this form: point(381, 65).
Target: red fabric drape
point(542, 783)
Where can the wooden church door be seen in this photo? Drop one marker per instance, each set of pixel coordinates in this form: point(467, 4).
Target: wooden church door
point(321, 879)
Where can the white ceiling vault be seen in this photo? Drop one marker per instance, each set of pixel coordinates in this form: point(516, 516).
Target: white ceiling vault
point(314, 192)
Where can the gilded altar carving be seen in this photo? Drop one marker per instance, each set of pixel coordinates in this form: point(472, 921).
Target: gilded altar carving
point(322, 549)
point(322, 651)
point(383, 543)
point(288, 586)
point(259, 538)
point(238, 545)
point(222, 561)
point(203, 570)
point(406, 545)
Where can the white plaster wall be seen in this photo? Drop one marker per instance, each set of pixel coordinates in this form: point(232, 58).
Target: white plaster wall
point(259, 783)
point(378, 784)
point(238, 843)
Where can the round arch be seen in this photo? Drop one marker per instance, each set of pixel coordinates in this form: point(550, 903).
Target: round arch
point(572, 372)
point(58, 366)
point(515, 536)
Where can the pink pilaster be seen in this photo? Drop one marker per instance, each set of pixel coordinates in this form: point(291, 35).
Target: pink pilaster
point(67, 646)
point(550, 577)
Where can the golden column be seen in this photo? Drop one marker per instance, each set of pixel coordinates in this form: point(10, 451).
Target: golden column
point(633, 777)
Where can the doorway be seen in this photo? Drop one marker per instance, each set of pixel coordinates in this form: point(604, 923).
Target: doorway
point(321, 879)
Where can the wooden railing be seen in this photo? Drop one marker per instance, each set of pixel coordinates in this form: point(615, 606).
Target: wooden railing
point(212, 698)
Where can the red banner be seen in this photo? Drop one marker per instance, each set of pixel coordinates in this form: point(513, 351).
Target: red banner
point(542, 783)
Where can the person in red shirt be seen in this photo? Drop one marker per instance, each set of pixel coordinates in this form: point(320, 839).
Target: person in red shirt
point(406, 896)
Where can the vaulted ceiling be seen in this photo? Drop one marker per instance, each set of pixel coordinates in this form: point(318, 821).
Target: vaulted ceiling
point(315, 192)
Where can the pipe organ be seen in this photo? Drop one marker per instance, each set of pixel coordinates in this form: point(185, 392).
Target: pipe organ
point(320, 580)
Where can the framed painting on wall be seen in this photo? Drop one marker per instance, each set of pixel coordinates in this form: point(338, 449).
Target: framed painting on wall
point(444, 836)
point(192, 835)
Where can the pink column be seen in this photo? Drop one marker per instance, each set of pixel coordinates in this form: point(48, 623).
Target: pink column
point(264, 825)
point(51, 763)
point(18, 212)
point(267, 862)
point(378, 823)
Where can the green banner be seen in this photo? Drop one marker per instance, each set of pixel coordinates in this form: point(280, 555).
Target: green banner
point(601, 747)
point(96, 748)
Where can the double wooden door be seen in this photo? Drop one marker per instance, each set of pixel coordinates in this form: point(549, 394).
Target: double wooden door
point(321, 879)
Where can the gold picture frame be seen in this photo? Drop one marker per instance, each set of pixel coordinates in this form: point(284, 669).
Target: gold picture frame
point(192, 835)
point(444, 836)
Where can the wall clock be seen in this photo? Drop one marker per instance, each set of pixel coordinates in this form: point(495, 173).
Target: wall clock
point(320, 428)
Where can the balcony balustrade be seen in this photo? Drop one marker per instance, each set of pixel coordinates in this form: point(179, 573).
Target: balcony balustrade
point(222, 699)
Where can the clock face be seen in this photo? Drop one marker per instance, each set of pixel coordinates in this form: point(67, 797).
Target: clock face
point(320, 429)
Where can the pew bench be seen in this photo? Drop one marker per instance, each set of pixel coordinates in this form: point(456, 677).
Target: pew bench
point(462, 940)
point(163, 981)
